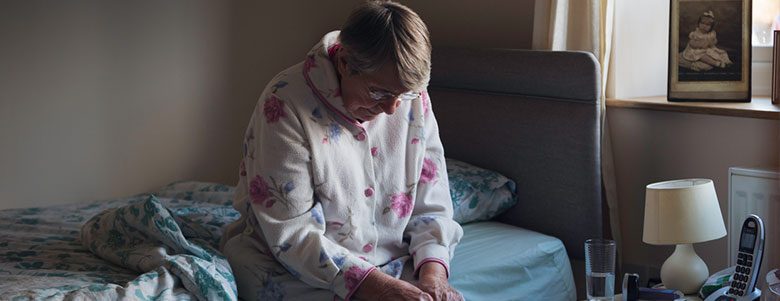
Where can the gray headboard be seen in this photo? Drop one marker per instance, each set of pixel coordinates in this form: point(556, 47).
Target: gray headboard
point(533, 116)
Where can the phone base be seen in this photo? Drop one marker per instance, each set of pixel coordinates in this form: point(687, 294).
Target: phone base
point(720, 295)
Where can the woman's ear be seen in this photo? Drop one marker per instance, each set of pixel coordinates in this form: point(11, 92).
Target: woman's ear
point(341, 62)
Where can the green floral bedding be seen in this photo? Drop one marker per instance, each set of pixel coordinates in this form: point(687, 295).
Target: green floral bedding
point(156, 247)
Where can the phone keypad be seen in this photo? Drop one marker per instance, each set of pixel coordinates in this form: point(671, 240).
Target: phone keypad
point(741, 277)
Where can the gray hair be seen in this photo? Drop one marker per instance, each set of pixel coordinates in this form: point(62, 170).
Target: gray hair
point(379, 32)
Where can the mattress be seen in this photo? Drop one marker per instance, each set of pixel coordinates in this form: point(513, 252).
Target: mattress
point(496, 261)
point(42, 256)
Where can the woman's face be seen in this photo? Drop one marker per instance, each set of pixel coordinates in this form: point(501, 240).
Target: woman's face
point(356, 90)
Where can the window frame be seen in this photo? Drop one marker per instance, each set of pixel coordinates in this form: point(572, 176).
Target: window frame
point(761, 61)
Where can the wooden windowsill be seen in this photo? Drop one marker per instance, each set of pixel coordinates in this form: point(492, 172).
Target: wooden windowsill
point(761, 106)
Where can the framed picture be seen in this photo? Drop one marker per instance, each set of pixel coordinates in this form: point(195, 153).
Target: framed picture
point(709, 50)
point(776, 68)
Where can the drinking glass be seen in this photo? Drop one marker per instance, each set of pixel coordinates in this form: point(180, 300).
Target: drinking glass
point(600, 269)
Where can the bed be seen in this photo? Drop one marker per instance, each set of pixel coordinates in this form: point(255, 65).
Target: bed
point(535, 117)
point(530, 115)
point(42, 255)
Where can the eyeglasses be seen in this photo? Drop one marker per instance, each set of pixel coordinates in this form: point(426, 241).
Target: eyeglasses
point(384, 95)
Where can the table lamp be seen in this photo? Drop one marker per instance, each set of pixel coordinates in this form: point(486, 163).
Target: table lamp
point(682, 212)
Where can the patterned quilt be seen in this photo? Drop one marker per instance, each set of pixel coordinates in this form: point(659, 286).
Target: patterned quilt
point(154, 246)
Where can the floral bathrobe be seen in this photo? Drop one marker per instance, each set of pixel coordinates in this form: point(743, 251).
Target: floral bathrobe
point(326, 199)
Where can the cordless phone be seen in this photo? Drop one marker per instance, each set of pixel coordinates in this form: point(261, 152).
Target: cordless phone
point(751, 249)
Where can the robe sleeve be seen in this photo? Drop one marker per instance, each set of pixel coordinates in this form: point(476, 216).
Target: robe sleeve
point(432, 232)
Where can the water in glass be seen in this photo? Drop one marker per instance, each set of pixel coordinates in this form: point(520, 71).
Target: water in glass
point(601, 286)
point(600, 269)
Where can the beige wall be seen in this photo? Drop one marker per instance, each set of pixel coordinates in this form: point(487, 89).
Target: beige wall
point(484, 24)
point(103, 99)
point(651, 146)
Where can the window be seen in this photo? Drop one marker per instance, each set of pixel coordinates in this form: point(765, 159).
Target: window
point(766, 19)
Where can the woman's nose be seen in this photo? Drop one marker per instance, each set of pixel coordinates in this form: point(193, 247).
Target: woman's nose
point(389, 107)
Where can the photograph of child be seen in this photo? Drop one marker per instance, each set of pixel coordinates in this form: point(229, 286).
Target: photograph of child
point(710, 37)
point(701, 52)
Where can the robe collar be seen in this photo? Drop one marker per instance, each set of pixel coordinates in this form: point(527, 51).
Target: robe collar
point(322, 78)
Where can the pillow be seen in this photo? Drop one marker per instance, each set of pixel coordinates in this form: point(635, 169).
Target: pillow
point(478, 194)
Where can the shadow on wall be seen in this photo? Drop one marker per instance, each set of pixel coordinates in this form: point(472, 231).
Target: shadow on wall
point(107, 99)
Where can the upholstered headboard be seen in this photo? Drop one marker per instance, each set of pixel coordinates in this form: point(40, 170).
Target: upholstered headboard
point(534, 116)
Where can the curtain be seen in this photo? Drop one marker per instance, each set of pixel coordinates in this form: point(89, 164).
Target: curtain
point(585, 25)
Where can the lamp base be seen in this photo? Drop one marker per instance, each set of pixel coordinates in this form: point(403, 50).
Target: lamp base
point(684, 270)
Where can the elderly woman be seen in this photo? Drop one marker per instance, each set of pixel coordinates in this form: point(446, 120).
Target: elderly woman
point(343, 190)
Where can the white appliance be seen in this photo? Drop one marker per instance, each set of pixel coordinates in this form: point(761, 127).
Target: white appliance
point(755, 191)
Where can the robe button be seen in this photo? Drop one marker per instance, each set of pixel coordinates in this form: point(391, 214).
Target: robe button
point(361, 136)
point(369, 192)
point(373, 151)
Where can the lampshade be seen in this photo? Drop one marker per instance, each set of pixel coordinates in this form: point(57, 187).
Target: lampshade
point(682, 212)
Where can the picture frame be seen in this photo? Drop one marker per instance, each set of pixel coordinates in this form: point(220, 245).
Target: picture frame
point(776, 68)
point(710, 50)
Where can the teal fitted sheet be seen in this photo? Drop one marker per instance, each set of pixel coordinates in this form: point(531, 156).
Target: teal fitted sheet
point(495, 261)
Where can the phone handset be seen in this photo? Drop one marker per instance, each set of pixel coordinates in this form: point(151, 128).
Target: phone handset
point(749, 256)
point(751, 249)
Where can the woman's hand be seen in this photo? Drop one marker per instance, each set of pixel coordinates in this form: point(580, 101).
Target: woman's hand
point(380, 286)
point(433, 280)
